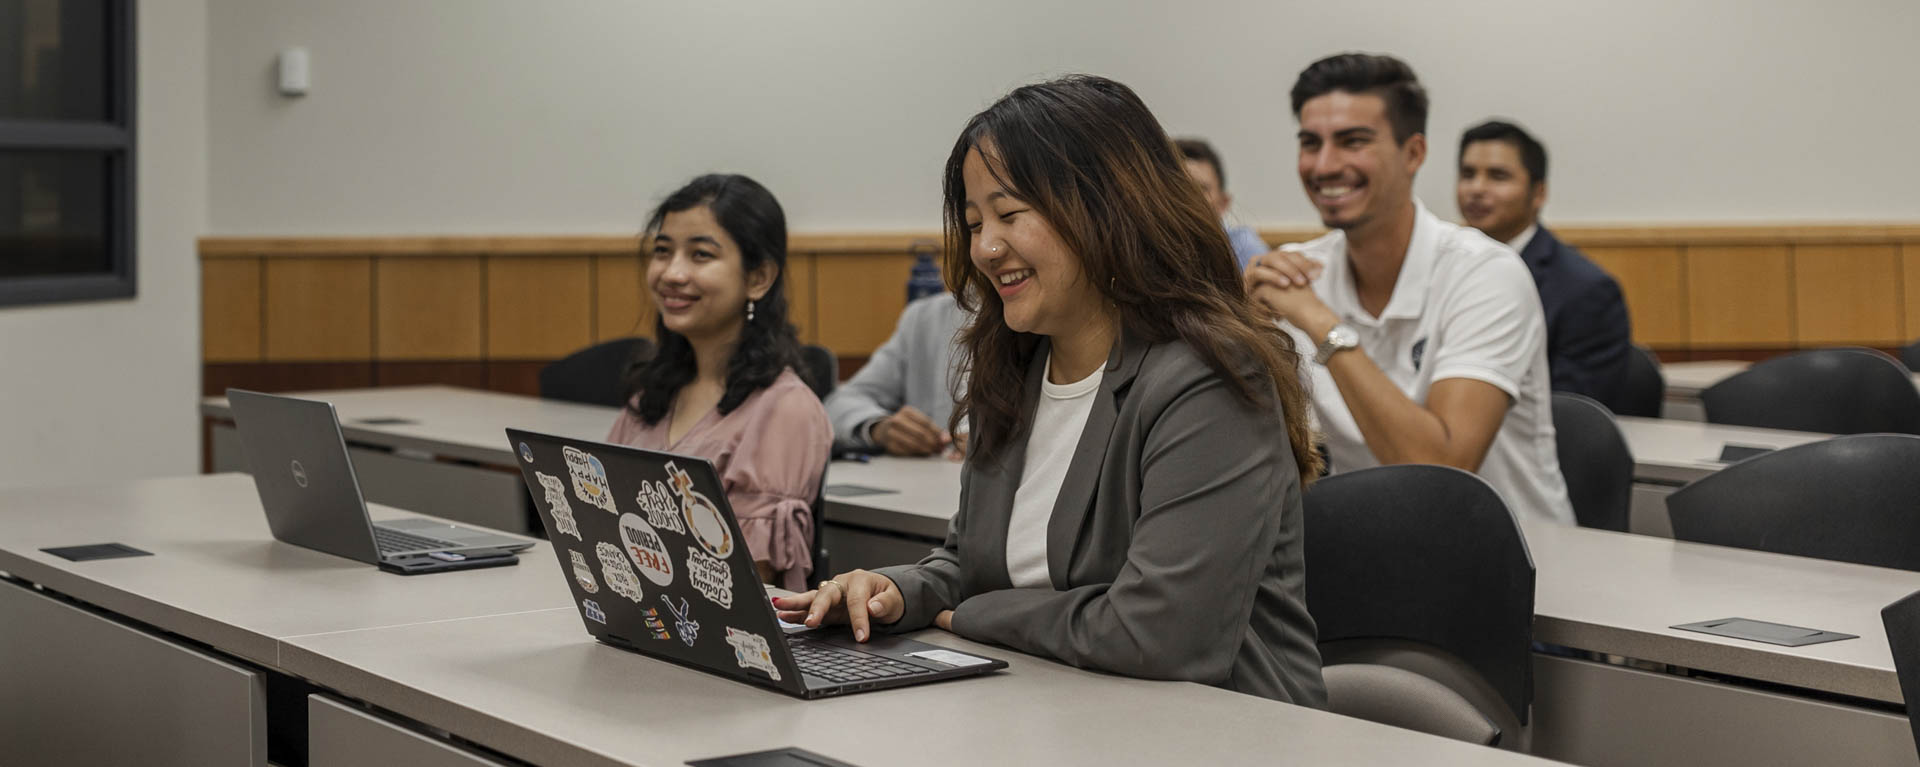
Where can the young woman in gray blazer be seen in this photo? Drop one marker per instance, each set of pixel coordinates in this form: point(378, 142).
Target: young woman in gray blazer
point(1131, 498)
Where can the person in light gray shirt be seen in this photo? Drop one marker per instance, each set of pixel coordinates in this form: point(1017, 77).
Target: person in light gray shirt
point(900, 401)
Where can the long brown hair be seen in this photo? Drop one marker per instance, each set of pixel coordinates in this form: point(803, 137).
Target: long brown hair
point(1089, 157)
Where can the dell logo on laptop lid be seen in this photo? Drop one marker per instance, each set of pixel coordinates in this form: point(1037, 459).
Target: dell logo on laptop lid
point(299, 474)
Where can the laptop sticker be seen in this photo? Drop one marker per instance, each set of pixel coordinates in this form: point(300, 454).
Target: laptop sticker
point(583, 573)
point(711, 577)
point(648, 551)
point(563, 523)
point(526, 453)
point(703, 518)
point(750, 651)
point(593, 611)
point(657, 626)
point(689, 628)
point(659, 506)
point(589, 478)
point(617, 572)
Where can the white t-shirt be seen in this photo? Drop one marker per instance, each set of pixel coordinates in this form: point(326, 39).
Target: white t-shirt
point(1057, 422)
point(1464, 306)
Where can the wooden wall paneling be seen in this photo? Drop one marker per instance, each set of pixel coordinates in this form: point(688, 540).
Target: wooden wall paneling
point(1654, 281)
point(427, 308)
point(862, 296)
point(1847, 294)
point(319, 309)
point(471, 374)
point(538, 308)
point(803, 297)
point(230, 310)
point(622, 304)
point(1740, 296)
point(216, 377)
point(1910, 292)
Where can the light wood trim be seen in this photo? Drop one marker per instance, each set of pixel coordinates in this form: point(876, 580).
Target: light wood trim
point(427, 308)
point(538, 307)
point(622, 304)
point(803, 297)
point(319, 309)
point(1594, 235)
point(230, 310)
point(850, 327)
point(1740, 296)
point(1847, 294)
point(1910, 295)
point(1653, 280)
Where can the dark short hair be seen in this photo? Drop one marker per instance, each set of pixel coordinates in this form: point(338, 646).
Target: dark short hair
point(1378, 74)
point(1198, 149)
point(1533, 156)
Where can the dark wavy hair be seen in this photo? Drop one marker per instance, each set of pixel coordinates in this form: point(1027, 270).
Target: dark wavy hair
point(1381, 75)
point(768, 343)
point(1091, 160)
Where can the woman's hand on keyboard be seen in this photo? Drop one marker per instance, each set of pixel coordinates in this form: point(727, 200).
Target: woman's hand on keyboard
point(858, 598)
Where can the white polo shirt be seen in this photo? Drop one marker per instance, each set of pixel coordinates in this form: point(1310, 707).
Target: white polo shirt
point(1464, 306)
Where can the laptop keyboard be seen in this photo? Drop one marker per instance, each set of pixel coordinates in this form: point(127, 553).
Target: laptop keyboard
point(836, 664)
point(390, 540)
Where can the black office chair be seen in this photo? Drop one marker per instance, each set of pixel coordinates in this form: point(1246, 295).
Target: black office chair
point(822, 369)
point(1595, 461)
point(1834, 391)
point(1645, 389)
point(1422, 588)
point(595, 375)
point(1902, 620)
point(1849, 499)
point(1910, 356)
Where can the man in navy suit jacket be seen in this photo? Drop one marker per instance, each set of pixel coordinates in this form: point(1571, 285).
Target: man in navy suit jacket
point(1501, 188)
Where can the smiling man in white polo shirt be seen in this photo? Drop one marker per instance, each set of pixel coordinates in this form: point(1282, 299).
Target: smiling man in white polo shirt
point(1429, 342)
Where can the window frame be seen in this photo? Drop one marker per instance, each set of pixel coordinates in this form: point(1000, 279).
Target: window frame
point(115, 138)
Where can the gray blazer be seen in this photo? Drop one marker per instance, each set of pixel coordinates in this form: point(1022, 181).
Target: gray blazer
point(1174, 547)
point(911, 368)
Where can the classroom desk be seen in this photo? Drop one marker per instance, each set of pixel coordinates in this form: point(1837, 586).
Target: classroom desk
point(437, 450)
point(1685, 381)
point(1616, 594)
point(499, 658)
point(535, 686)
point(219, 592)
point(1668, 454)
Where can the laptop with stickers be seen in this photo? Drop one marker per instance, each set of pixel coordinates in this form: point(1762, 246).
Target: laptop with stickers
point(658, 567)
point(312, 498)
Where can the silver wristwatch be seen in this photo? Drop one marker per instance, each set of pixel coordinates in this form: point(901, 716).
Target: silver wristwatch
point(1339, 339)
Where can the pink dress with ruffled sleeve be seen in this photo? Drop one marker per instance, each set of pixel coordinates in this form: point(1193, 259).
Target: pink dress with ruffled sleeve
point(770, 452)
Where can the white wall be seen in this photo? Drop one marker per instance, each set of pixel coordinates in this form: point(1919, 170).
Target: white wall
point(106, 391)
point(507, 116)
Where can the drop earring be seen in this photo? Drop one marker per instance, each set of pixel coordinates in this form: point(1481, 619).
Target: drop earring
point(749, 311)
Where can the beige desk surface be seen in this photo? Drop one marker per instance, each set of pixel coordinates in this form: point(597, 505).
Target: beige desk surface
point(1667, 450)
point(922, 494)
point(1685, 380)
point(1618, 593)
point(217, 575)
point(537, 687)
point(448, 421)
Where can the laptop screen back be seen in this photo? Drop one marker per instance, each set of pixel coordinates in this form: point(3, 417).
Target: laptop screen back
point(300, 468)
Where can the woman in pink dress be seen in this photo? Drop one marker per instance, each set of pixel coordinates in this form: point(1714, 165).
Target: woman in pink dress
point(722, 384)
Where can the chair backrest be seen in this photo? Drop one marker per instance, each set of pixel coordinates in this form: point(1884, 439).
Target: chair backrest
point(1595, 461)
point(1645, 389)
point(1849, 499)
point(822, 559)
point(1833, 391)
point(1910, 356)
point(1902, 620)
point(595, 375)
point(1427, 557)
point(822, 369)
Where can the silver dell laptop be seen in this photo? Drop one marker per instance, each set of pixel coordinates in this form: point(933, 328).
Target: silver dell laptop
point(312, 498)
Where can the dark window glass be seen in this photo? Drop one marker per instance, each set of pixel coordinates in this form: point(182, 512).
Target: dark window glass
point(53, 213)
point(54, 59)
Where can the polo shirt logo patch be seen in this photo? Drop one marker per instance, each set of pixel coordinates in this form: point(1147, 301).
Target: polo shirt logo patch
point(1419, 350)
